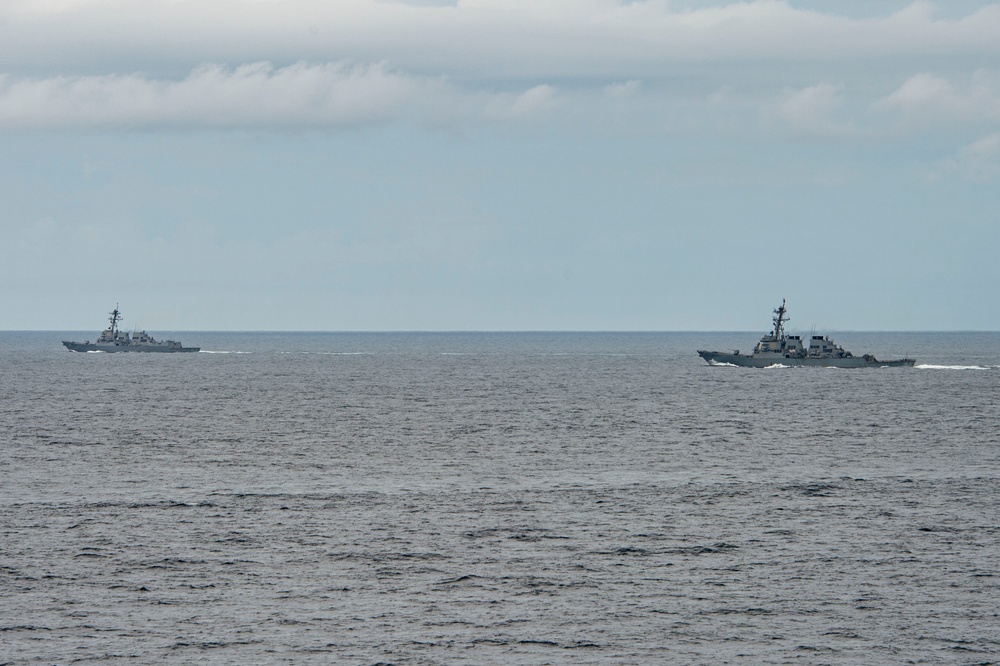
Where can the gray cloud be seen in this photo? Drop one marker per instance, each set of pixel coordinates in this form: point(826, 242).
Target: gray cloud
point(483, 39)
point(313, 63)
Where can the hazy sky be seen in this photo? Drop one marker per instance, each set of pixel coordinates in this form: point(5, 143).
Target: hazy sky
point(499, 164)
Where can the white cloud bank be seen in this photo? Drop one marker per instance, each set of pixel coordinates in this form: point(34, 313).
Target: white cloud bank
point(259, 95)
point(337, 95)
point(213, 96)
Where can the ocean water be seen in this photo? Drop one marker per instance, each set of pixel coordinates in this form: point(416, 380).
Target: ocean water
point(492, 498)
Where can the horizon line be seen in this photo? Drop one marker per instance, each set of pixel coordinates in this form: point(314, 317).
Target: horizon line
point(499, 331)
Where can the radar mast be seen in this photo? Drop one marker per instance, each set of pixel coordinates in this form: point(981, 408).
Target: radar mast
point(116, 317)
point(780, 317)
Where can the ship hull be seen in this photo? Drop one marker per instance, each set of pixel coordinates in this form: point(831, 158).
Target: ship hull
point(164, 349)
point(746, 361)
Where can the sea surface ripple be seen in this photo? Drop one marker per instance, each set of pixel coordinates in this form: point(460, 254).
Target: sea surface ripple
point(530, 498)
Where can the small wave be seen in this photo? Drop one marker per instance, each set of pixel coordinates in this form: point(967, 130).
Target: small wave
point(209, 351)
point(335, 353)
point(722, 364)
point(327, 353)
point(775, 366)
point(587, 354)
point(927, 366)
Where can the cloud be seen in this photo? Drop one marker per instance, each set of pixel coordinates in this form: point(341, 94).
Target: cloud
point(623, 90)
point(481, 39)
point(314, 63)
point(813, 110)
point(537, 101)
point(256, 95)
point(928, 97)
point(919, 90)
point(979, 161)
point(337, 95)
point(213, 96)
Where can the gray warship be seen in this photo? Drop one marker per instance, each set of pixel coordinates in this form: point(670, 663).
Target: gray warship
point(114, 340)
point(779, 349)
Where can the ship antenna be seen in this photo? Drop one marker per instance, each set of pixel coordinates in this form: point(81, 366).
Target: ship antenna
point(116, 317)
point(780, 317)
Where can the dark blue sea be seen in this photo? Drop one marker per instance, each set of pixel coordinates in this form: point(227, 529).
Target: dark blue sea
point(497, 498)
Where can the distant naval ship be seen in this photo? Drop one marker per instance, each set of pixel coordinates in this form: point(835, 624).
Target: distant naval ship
point(114, 340)
point(777, 348)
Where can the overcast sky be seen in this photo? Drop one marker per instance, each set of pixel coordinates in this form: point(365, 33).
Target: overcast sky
point(499, 164)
